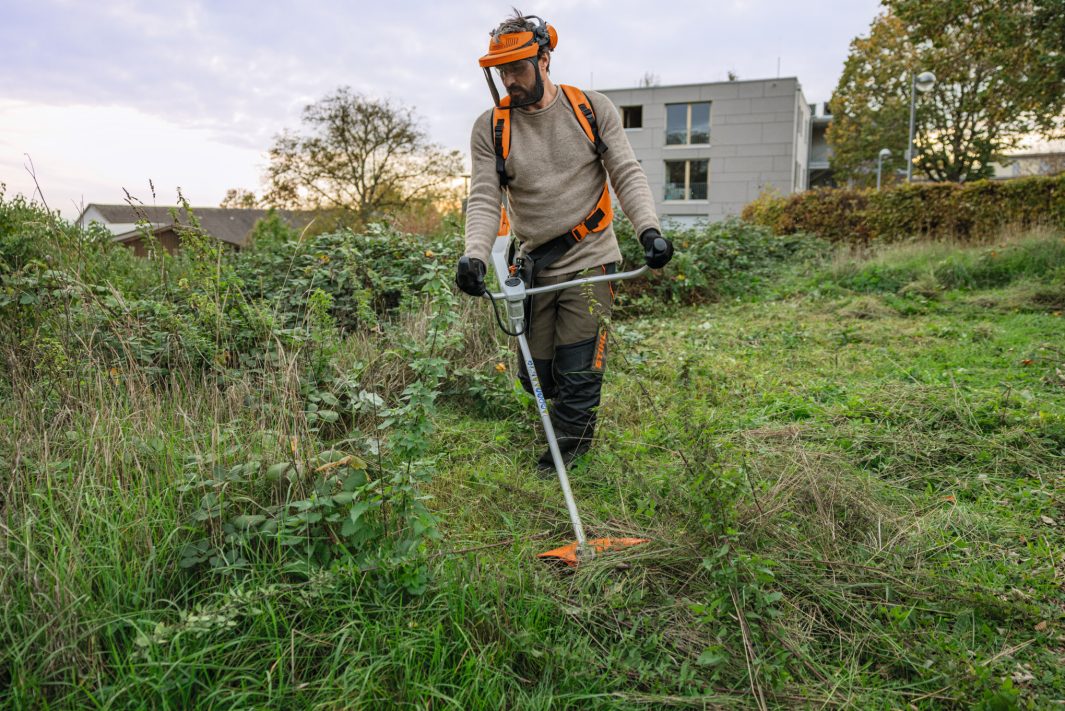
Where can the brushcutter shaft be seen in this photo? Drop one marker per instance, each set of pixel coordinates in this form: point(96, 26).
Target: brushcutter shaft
point(570, 284)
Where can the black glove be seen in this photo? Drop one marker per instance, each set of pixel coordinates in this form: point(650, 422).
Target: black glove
point(470, 276)
point(657, 250)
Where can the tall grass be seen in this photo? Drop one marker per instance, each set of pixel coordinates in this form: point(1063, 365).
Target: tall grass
point(846, 508)
point(1015, 256)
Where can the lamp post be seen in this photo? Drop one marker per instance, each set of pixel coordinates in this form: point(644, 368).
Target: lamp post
point(923, 83)
point(884, 153)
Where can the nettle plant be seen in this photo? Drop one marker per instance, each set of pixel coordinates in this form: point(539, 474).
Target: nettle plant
point(360, 503)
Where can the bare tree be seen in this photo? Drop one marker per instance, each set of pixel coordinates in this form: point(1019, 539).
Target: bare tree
point(648, 79)
point(364, 156)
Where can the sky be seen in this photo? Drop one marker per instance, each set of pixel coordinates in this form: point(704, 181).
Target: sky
point(101, 97)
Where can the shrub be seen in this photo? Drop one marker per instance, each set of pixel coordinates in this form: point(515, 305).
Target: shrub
point(713, 260)
point(967, 212)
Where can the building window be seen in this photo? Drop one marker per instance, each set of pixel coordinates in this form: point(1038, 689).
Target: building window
point(632, 116)
point(687, 179)
point(687, 124)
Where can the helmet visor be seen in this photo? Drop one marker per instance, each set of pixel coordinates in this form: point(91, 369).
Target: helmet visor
point(520, 80)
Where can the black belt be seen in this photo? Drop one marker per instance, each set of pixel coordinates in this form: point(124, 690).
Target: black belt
point(551, 251)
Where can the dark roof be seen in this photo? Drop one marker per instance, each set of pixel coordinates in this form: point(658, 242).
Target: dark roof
point(229, 224)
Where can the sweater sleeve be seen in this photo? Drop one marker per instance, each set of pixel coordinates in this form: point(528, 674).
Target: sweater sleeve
point(626, 175)
point(483, 205)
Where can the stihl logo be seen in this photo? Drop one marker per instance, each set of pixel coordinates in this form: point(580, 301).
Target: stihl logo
point(600, 350)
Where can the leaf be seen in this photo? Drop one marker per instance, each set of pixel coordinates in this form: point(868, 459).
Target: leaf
point(328, 415)
point(372, 399)
point(247, 521)
point(358, 510)
point(711, 657)
point(276, 471)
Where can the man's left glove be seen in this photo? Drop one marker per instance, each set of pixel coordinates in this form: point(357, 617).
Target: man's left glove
point(657, 250)
point(470, 276)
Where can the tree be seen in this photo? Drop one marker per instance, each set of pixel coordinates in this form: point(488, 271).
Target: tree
point(648, 79)
point(358, 156)
point(239, 197)
point(998, 80)
point(1023, 41)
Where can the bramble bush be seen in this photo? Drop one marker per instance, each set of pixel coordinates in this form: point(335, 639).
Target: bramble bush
point(964, 212)
point(78, 311)
point(712, 261)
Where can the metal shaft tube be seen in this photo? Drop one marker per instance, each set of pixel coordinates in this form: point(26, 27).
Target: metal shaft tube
point(552, 443)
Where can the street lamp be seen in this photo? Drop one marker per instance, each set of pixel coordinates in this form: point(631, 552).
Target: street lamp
point(884, 153)
point(923, 83)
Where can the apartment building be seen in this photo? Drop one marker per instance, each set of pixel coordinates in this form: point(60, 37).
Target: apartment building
point(709, 149)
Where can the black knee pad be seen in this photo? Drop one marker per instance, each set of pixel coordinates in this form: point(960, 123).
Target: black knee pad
point(580, 385)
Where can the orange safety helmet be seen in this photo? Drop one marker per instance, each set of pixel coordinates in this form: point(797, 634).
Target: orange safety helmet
point(514, 47)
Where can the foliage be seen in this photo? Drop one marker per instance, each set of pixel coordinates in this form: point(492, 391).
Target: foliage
point(849, 476)
point(239, 197)
point(712, 261)
point(992, 88)
point(1022, 43)
point(852, 499)
point(365, 275)
point(359, 155)
point(335, 505)
point(971, 211)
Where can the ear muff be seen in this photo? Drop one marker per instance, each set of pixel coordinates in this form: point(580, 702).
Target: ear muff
point(552, 37)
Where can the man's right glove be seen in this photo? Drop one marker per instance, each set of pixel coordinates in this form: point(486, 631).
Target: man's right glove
point(657, 250)
point(470, 276)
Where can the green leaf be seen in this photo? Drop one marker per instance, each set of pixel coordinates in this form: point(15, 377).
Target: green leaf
point(247, 521)
point(358, 510)
point(711, 657)
point(276, 471)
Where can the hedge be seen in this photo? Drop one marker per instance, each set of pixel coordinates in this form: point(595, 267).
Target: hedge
point(960, 211)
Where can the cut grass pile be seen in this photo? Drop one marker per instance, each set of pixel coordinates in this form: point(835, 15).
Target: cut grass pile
point(852, 490)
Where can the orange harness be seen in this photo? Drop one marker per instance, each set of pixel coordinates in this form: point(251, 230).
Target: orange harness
point(603, 212)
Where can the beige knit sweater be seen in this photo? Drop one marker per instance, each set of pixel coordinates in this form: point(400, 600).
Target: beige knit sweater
point(556, 178)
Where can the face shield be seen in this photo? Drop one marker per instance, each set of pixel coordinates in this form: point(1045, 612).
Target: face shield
point(515, 84)
point(511, 67)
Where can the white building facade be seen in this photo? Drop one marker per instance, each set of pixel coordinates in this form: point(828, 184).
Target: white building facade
point(709, 149)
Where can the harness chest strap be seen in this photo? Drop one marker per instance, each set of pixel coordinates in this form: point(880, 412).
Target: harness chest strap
point(601, 215)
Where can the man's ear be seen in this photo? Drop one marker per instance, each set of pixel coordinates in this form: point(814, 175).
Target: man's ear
point(545, 62)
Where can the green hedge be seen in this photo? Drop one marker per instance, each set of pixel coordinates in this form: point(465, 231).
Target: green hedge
point(965, 211)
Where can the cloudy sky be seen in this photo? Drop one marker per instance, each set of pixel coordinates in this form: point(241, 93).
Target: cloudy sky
point(112, 94)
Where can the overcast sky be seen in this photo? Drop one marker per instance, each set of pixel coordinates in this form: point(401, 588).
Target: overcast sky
point(110, 94)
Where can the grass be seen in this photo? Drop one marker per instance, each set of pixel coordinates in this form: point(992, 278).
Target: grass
point(852, 488)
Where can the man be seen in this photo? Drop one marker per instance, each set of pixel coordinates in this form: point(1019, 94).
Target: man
point(549, 150)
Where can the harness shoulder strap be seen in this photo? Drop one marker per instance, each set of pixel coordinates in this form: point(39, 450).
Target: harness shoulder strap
point(582, 109)
point(501, 139)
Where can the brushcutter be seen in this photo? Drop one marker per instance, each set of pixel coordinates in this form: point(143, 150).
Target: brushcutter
point(513, 293)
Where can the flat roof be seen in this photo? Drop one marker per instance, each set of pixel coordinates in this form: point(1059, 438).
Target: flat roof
point(701, 83)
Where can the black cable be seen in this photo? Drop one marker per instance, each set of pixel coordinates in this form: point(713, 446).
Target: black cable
point(499, 321)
